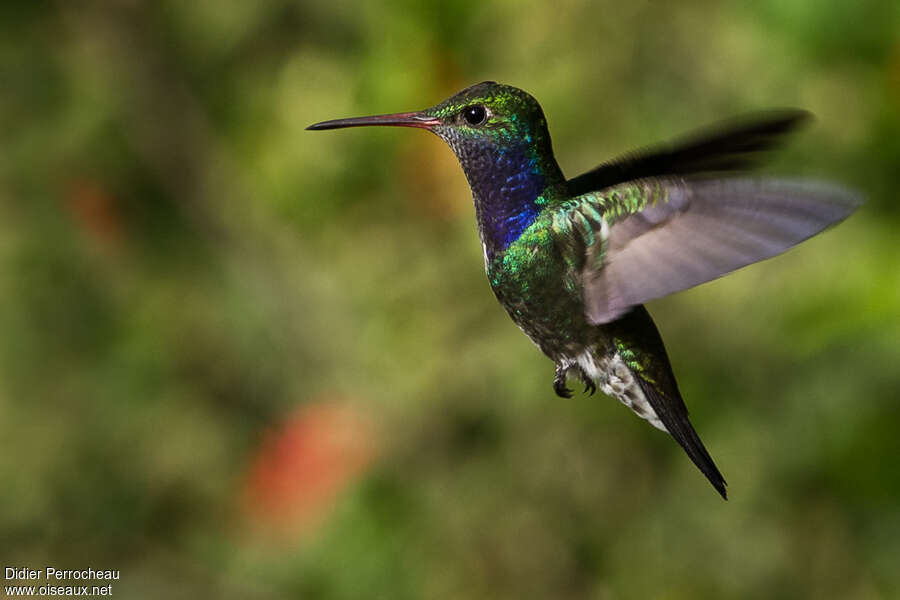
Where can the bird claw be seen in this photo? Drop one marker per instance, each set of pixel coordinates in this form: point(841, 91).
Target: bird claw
point(559, 383)
point(559, 386)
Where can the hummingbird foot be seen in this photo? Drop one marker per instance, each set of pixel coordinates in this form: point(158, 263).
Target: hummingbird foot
point(559, 382)
point(589, 386)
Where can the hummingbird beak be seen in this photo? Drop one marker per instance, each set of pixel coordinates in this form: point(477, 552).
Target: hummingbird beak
point(410, 119)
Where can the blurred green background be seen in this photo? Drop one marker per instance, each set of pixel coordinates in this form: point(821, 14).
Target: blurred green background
point(240, 359)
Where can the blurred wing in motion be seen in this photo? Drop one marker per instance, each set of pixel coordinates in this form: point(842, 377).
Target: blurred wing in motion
point(667, 236)
point(732, 146)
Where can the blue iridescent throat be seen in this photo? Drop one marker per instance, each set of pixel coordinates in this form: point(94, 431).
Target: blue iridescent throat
point(507, 183)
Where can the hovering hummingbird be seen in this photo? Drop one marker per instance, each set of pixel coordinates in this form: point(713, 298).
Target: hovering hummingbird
point(573, 260)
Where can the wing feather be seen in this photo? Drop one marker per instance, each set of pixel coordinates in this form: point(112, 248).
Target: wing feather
point(730, 146)
point(705, 229)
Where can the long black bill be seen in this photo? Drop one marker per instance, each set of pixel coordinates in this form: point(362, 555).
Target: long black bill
point(410, 119)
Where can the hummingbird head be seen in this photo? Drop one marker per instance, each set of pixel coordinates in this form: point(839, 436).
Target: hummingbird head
point(491, 114)
point(486, 113)
point(499, 134)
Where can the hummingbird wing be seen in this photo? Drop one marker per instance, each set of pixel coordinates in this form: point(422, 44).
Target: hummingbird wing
point(666, 236)
point(731, 146)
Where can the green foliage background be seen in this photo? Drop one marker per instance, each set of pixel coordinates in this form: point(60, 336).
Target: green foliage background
point(181, 265)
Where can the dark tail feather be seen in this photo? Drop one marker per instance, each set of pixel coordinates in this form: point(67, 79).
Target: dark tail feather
point(655, 378)
point(674, 416)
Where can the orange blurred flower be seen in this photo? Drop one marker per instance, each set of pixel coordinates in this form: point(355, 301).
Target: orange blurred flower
point(301, 468)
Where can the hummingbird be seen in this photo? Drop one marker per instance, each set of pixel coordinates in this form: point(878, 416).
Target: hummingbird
point(574, 260)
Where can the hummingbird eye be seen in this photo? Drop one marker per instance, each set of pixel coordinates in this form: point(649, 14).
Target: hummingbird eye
point(475, 115)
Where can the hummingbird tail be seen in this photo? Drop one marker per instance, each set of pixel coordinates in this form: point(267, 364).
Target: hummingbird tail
point(679, 427)
point(635, 370)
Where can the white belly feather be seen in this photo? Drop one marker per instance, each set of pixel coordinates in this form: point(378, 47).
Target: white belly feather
point(615, 379)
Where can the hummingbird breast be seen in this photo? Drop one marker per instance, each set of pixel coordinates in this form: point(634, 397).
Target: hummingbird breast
point(533, 282)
